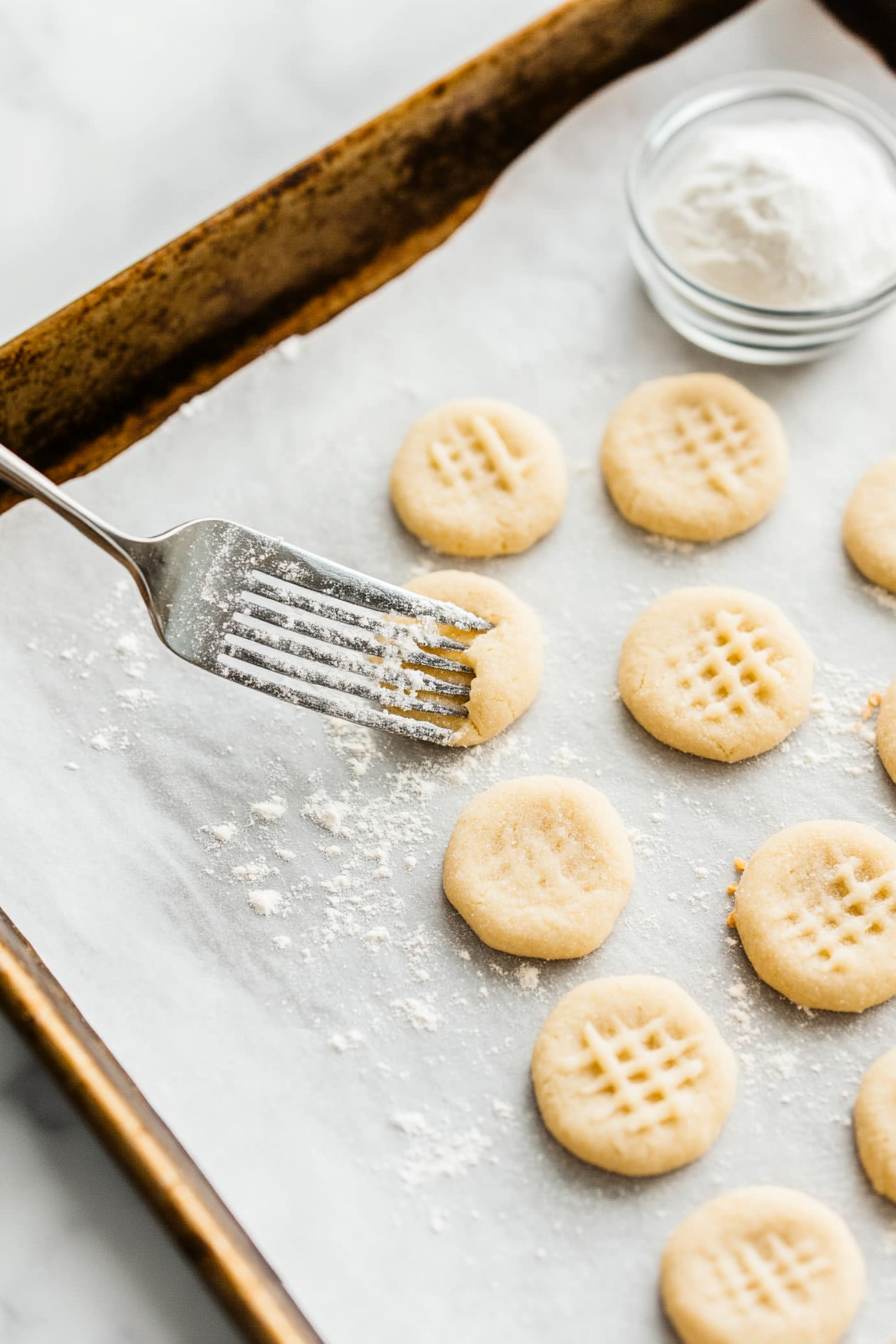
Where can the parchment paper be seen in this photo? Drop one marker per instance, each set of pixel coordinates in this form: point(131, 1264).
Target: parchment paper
point(360, 1095)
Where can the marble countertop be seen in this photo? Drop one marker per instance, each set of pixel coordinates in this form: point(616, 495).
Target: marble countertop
point(121, 125)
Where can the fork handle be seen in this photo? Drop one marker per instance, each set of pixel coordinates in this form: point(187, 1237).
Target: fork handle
point(31, 482)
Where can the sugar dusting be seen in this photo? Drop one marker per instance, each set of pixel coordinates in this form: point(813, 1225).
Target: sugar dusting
point(376, 816)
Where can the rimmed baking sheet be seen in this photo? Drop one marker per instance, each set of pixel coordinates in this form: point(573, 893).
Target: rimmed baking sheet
point(359, 1095)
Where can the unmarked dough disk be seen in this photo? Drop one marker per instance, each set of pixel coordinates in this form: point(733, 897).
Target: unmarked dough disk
point(696, 457)
point(632, 1076)
point(539, 867)
point(479, 478)
point(886, 731)
point(717, 672)
point(875, 1124)
point(762, 1265)
point(506, 661)
point(869, 525)
point(816, 913)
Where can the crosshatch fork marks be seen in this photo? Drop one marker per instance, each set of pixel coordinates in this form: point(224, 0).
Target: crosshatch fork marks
point(478, 454)
point(841, 914)
point(642, 1073)
point(769, 1274)
point(728, 669)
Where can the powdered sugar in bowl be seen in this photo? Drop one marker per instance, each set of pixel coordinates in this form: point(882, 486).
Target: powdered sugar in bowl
point(763, 215)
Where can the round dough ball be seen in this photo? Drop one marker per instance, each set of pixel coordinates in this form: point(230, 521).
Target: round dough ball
point(479, 478)
point(762, 1265)
point(539, 867)
point(506, 661)
point(885, 736)
point(876, 1124)
point(696, 457)
point(717, 672)
point(816, 913)
point(632, 1076)
point(869, 525)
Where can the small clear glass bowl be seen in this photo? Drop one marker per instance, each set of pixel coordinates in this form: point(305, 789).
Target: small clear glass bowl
point(709, 318)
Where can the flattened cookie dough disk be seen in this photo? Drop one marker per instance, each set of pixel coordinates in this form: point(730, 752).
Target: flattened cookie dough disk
point(632, 1076)
point(762, 1265)
point(479, 478)
point(886, 731)
point(539, 867)
point(717, 672)
point(875, 1124)
point(696, 457)
point(506, 661)
point(869, 525)
point(816, 913)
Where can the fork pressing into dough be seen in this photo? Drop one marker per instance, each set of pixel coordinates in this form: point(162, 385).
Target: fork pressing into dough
point(266, 615)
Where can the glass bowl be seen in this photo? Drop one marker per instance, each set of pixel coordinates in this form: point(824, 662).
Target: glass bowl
point(709, 318)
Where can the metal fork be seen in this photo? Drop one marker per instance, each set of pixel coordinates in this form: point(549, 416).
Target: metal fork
point(266, 615)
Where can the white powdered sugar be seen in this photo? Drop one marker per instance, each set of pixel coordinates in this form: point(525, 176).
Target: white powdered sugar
point(783, 214)
point(265, 902)
point(272, 810)
point(435, 1153)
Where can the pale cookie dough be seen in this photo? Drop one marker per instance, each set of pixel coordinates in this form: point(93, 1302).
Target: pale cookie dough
point(762, 1265)
point(875, 1124)
point(696, 457)
point(885, 736)
point(869, 524)
point(717, 672)
point(539, 867)
point(506, 661)
point(816, 913)
point(632, 1076)
point(479, 478)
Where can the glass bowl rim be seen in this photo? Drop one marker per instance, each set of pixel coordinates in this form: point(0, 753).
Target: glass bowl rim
point(745, 87)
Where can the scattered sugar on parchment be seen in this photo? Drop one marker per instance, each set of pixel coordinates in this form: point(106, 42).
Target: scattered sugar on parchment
point(564, 757)
point(668, 544)
point(355, 745)
point(503, 1110)
point(348, 1040)
point(137, 697)
point(411, 1122)
point(291, 349)
point(881, 595)
point(265, 902)
point(282, 941)
point(287, 855)
point(436, 1153)
point(252, 872)
point(272, 810)
point(421, 1015)
point(100, 742)
point(223, 833)
point(72, 765)
point(528, 976)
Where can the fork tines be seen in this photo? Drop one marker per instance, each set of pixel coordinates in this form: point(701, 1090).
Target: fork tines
point(359, 650)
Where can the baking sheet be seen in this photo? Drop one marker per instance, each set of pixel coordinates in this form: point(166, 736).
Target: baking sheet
point(359, 1095)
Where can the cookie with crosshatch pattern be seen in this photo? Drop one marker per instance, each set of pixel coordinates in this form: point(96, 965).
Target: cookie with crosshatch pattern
point(696, 457)
point(632, 1076)
point(479, 478)
point(816, 913)
point(717, 672)
point(763, 1264)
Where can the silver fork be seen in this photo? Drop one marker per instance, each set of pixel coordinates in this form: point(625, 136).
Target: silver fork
point(266, 615)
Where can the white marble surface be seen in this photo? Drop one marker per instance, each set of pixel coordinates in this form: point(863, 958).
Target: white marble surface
point(123, 123)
